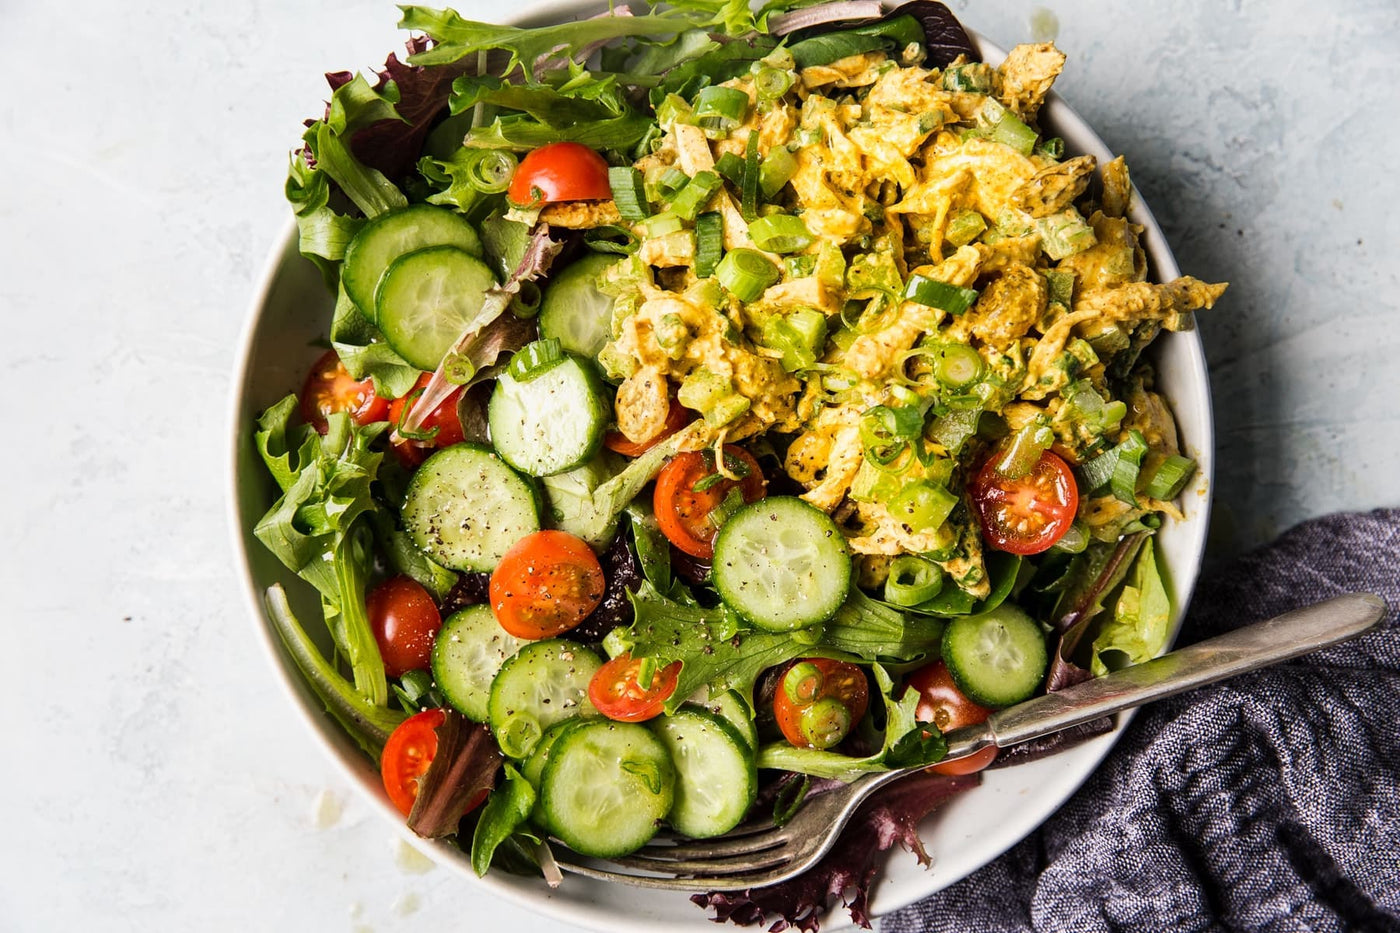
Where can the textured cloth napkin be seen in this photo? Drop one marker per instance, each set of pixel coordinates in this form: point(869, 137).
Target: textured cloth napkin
point(1270, 802)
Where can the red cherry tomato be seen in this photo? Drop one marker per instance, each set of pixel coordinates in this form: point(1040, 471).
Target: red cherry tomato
point(944, 705)
point(442, 427)
point(819, 701)
point(329, 388)
point(677, 417)
point(683, 511)
point(560, 172)
point(618, 694)
point(547, 583)
point(405, 621)
point(1028, 514)
point(407, 754)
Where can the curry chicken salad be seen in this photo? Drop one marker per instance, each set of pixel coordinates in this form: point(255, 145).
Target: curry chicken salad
point(719, 403)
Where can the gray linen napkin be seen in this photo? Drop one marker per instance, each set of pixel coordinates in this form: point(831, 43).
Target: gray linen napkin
point(1267, 803)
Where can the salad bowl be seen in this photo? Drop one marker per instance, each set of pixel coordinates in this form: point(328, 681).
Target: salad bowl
point(288, 317)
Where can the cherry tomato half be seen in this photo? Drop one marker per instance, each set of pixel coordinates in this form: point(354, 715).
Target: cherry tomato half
point(560, 172)
point(1028, 514)
point(329, 388)
point(406, 756)
point(819, 701)
point(547, 583)
point(442, 427)
point(405, 622)
point(618, 694)
point(683, 510)
point(677, 417)
point(944, 705)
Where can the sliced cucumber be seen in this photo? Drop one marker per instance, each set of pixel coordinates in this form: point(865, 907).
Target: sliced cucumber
point(426, 299)
point(716, 777)
point(731, 707)
point(782, 564)
point(574, 311)
point(394, 234)
point(545, 682)
point(606, 787)
point(533, 768)
point(549, 421)
point(465, 508)
point(997, 658)
point(470, 648)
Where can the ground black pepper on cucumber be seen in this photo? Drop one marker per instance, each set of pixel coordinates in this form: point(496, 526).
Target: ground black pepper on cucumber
point(817, 340)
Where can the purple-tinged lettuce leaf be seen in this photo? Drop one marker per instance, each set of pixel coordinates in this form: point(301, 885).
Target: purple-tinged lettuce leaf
point(1096, 575)
point(891, 816)
point(463, 769)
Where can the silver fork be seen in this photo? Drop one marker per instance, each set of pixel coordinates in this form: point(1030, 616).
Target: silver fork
point(759, 853)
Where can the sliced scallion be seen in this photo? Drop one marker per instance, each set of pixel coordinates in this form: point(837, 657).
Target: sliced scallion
point(694, 196)
point(1024, 450)
point(912, 580)
point(772, 83)
point(941, 295)
point(923, 506)
point(1170, 477)
point(534, 359)
point(491, 171)
point(720, 108)
point(1073, 541)
point(780, 233)
point(526, 301)
point(659, 225)
point(964, 227)
point(776, 170)
point(671, 183)
point(746, 273)
point(957, 366)
point(1123, 482)
point(709, 243)
point(629, 193)
point(731, 169)
point(748, 202)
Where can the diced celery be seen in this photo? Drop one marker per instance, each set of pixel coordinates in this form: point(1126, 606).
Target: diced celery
point(964, 227)
point(1064, 234)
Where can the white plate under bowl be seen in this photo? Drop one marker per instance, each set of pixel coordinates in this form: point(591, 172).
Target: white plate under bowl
point(292, 310)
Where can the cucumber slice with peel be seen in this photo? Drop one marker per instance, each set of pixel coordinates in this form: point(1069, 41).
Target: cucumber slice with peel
point(545, 682)
point(465, 508)
point(997, 658)
point(427, 299)
point(549, 421)
point(394, 234)
point(716, 777)
point(469, 650)
point(606, 787)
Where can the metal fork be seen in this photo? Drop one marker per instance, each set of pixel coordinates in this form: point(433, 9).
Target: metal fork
point(759, 854)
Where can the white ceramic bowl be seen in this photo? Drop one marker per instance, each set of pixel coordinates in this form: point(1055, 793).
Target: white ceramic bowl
point(292, 309)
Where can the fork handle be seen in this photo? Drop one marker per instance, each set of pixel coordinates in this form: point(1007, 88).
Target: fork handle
point(1245, 649)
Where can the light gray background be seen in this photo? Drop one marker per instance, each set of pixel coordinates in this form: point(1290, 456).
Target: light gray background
point(152, 776)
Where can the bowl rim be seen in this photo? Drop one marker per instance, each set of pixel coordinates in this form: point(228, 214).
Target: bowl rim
point(527, 893)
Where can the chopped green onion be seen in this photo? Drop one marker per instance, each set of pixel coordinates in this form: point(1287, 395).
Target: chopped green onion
point(746, 273)
point(923, 506)
point(964, 227)
point(659, 225)
point(709, 243)
point(941, 295)
point(803, 682)
point(772, 83)
point(1052, 148)
point(720, 108)
point(799, 267)
point(671, 183)
point(776, 170)
point(534, 359)
point(975, 77)
point(957, 366)
point(1170, 477)
point(748, 202)
point(1061, 286)
point(491, 171)
point(673, 109)
point(780, 233)
point(824, 723)
point(733, 502)
point(731, 168)
point(629, 193)
point(1123, 482)
point(526, 302)
point(1024, 450)
point(912, 580)
point(695, 195)
point(1073, 541)
point(885, 432)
